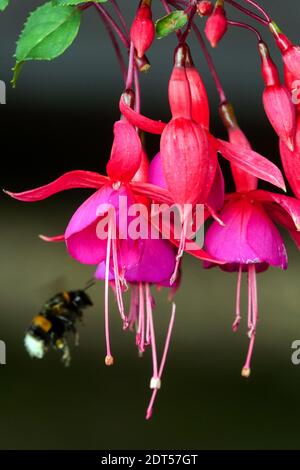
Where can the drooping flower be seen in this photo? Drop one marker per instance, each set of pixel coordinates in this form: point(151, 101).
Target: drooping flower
point(277, 100)
point(216, 25)
point(142, 32)
point(250, 242)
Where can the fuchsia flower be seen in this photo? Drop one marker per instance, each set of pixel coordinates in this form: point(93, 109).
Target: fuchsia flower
point(249, 241)
point(142, 32)
point(216, 25)
point(277, 100)
point(205, 8)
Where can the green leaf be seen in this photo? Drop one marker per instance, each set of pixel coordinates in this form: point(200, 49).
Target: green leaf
point(75, 2)
point(170, 23)
point(47, 33)
point(3, 4)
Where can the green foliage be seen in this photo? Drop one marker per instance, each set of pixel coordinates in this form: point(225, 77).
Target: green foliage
point(75, 2)
point(48, 32)
point(3, 4)
point(170, 23)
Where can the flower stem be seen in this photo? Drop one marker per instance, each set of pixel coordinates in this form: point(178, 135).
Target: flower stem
point(247, 12)
point(239, 24)
point(120, 16)
point(259, 8)
point(210, 64)
point(113, 24)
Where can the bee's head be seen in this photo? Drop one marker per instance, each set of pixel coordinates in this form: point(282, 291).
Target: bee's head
point(80, 299)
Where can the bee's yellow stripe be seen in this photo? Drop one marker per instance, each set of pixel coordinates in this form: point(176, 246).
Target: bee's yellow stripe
point(42, 322)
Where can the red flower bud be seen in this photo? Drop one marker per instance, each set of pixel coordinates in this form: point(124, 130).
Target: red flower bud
point(216, 25)
point(277, 100)
point(204, 8)
point(143, 31)
point(293, 85)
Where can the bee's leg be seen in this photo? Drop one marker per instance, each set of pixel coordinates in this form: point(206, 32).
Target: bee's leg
point(76, 337)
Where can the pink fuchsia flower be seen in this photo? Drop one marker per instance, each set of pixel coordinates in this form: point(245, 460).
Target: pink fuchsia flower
point(291, 161)
point(216, 25)
point(292, 84)
point(290, 52)
point(277, 100)
point(142, 32)
point(250, 242)
point(140, 277)
point(205, 7)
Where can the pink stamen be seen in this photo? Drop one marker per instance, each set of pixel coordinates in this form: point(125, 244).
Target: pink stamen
point(238, 317)
point(152, 337)
point(109, 358)
point(184, 223)
point(163, 361)
point(117, 279)
point(252, 318)
point(140, 337)
point(133, 311)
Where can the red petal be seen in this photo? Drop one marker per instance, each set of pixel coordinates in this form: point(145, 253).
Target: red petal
point(251, 162)
point(125, 157)
point(140, 121)
point(152, 191)
point(73, 179)
point(57, 238)
point(289, 204)
point(282, 218)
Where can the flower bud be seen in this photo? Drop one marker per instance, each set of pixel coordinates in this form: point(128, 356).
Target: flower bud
point(293, 86)
point(142, 32)
point(216, 25)
point(204, 8)
point(277, 100)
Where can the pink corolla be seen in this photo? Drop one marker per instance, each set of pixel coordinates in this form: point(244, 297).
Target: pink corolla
point(154, 268)
point(250, 242)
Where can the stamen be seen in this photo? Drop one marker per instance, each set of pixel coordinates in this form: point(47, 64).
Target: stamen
point(133, 311)
point(246, 371)
point(155, 381)
point(117, 280)
point(184, 223)
point(163, 361)
point(109, 358)
point(140, 337)
point(238, 317)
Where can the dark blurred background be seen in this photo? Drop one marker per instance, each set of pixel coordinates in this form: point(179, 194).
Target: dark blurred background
point(60, 118)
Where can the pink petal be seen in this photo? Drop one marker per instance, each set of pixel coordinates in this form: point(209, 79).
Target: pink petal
point(251, 162)
point(70, 180)
point(140, 121)
point(152, 192)
point(216, 196)
point(249, 236)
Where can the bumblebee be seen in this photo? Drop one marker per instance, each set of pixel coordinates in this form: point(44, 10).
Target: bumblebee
point(58, 317)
